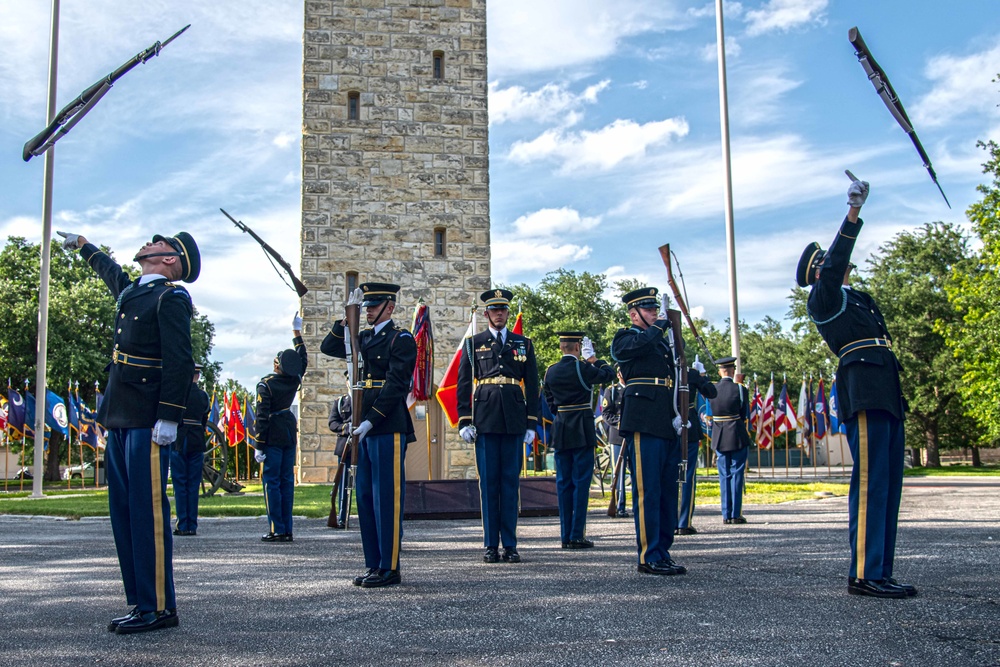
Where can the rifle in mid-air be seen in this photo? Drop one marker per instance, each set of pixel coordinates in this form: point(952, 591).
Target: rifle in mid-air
point(888, 96)
point(272, 256)
point(73, 112)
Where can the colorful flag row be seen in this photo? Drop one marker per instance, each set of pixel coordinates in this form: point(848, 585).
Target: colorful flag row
point(816, 415)
point(63, 415)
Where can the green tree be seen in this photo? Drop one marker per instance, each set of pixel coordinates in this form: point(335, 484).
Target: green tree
point(972, 290)
point(908, 278)
point(81, 313)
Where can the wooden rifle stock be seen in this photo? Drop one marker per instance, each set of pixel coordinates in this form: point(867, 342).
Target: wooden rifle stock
point(619, 467)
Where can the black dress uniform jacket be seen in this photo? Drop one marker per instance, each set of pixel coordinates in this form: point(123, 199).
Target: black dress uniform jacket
point(568, 386)
point(388, 357)
point(276, 425)
point(151, 364)
point(730, 415)
point(868, 374)
point(611, 411)
point(340, 421)
point(698, 384)
point(503, 407)
point(647, 366)
point(191, 432)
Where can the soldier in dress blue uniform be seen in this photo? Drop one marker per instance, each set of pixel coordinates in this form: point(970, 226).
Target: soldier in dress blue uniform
point(498, 415)
point(651, 422)
point(694, 433)
point(871, 402)
point(611, 413)
point(388, 356)
point(730, 439)
point(150, 377)
point(568, 387)
point(277, 435)
point(187, 457)
point(340, 423)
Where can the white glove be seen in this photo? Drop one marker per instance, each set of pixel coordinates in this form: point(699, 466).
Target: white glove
point(164, 432)
point(356, 297)
point(698, 366)
point(529, 436)
point(679, 424)
point(362, 430)
point(857, 193)
point(587, 348)
point(70, 241)
point(664, 304)
point(259, 456)
point(296, 322)
point(468, 433)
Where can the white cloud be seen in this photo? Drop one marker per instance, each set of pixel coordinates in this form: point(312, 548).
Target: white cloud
point(785, 15)
point(758, 96)
point(532, 36)
point(527, 256)
point(962, 85)
point(285, 139)
point(710, 52)
point(553, 102)
point(602, 149)
point(729, 10)
point(554, 222)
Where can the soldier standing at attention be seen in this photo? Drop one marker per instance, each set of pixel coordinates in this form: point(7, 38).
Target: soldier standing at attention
point(650, 422)
point(388, 355)
point(187, 456)
point(568, 387)
point(277, 435)
point(151, 370)
point(871, 402)
point(694, 434)
point(496, 414)
point(730, 439)
point(611, 412)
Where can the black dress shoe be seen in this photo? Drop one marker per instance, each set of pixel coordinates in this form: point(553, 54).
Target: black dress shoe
point(738, 519)
point(666, 568)
point(382, 578)
point(686, 530)
point(285, 537)
point(491, 555)
point(178, 531)
point(727, 521)
point(184, 533)
point(874, 588)
point(148, 621)
point(361, 577)
point(115, 622)
point(582, 543)
point(269, 537)
point(909, 589)
point(624, 515)
point(510, 555)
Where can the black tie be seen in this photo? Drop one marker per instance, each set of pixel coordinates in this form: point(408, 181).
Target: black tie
point(500, 338)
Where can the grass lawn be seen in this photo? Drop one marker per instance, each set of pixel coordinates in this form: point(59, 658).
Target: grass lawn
point(954, 471)
point(313, 500)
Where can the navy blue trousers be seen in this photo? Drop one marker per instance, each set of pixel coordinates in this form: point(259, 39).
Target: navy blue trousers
point(140, 517)
point(279, 488)
point(876, 440)
point(498, 462)
point(344, 499)
point(626, 469)
point(574, 470)
point(185, 472)
point(381, 483)
point(732, 468)
point(689, 487)
point(654, 494)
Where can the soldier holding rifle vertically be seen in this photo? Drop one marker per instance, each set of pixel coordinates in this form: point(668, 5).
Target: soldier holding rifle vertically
point(730, 439)
point(651, 424)
point(694, 434)
point(388, 354)
point(871, 401)
point(498, 415)
point(150, 377)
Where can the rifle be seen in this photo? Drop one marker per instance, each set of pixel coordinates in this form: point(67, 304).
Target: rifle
point(72, 113)
point(682, 304)
point(619, 466)
point(888, 96)
point(333, 521)
point(272, 256)
point(353, 317)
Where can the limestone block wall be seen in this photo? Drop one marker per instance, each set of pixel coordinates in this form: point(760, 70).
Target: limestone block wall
point(380, 188)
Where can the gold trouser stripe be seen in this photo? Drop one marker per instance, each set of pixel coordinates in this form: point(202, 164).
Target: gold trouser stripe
point(159, 534)
point(859, 545)
point(640, 489)
point(397, 460)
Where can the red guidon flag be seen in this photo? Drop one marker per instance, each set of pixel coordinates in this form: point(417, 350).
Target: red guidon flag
point(236, 432)
point(447, 393)
point(423, 371)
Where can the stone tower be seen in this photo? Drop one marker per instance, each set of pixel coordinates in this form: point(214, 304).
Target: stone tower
point(395, 169)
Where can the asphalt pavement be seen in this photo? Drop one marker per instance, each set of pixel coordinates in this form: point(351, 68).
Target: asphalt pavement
point(771, 592)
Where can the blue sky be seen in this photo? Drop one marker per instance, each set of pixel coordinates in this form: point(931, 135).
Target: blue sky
point(604, 138)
